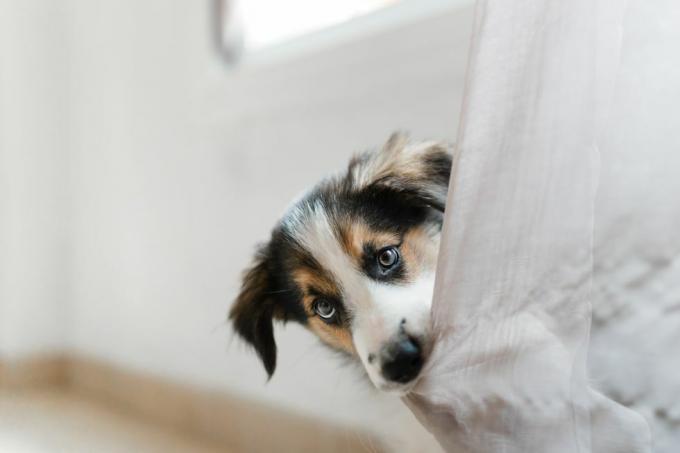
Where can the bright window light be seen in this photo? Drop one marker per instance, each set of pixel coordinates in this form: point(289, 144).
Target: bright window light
point(268, 22)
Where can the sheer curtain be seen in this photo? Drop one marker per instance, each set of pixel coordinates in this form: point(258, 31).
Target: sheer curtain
point(566, 163)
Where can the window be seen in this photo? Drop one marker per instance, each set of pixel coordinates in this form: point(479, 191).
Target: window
point(270, 22)
point(268, 30)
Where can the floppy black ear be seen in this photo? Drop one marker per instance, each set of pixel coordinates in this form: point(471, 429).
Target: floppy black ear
point(253, 311)
point(417, 170)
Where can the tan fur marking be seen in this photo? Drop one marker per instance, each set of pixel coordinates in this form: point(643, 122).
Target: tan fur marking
point(357, 234)
point(335, 336)
point(308, 279)
point(419, 252)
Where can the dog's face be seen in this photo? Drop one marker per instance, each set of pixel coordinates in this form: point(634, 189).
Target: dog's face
point(354, 262)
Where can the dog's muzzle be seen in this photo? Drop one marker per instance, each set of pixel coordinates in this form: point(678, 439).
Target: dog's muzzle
point(402, 360)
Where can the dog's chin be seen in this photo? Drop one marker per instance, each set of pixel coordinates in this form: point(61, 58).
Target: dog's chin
point(396, 388)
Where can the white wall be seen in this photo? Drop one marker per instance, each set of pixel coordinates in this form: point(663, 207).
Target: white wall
point(179, 165)
point(33, 178)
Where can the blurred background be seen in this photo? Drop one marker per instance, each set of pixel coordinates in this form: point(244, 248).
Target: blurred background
point(145, 148)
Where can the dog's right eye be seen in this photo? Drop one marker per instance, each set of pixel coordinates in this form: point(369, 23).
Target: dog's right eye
point(388, 258)
point(325, 309)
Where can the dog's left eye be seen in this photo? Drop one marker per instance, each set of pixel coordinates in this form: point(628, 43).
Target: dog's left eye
point(324, 308)
point(388, 257)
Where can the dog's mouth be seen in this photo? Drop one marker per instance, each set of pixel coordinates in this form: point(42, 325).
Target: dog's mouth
point(398, 388)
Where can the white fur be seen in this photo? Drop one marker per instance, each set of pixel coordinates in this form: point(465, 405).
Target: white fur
point(381, 319)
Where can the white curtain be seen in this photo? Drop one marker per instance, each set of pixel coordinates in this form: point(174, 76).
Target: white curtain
point(567, 162)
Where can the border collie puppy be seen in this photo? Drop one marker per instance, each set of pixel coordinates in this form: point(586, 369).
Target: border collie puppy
point(354, 262)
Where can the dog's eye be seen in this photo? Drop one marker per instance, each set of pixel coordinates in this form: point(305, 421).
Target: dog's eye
point(324, 308)
point(388, 257)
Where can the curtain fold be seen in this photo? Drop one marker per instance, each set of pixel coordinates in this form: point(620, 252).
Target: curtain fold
point(512, 305)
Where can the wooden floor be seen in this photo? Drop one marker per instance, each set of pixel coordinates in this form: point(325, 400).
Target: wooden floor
point(45, 421)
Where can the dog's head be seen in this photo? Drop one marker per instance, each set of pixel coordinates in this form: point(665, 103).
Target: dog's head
point(354, 262)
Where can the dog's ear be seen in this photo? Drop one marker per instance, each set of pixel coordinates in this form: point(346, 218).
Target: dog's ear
point(253, 311)
point(419, 170)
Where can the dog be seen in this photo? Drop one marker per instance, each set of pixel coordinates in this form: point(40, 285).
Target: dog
point(354, 262)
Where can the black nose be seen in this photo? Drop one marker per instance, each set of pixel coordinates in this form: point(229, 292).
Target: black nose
point(402, 360)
